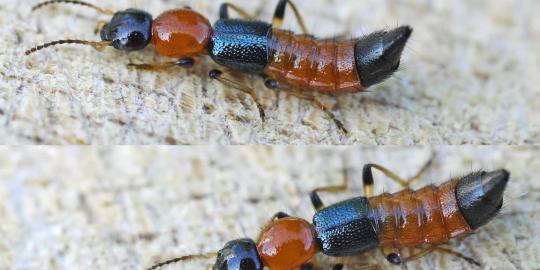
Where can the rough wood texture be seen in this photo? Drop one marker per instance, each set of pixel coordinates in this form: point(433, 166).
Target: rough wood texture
point(125, 208)
point(469, 75)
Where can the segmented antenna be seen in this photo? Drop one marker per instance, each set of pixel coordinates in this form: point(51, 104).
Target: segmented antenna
point(183, 258)
point(99, 9)
point(98, 45)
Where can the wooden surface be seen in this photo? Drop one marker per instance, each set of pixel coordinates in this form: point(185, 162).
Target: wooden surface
point(469, 75)
point(126, 207)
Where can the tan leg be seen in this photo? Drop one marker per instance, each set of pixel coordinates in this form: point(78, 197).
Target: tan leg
point(367, 176)
point(459, 255)
point(226, 80)
point(420, 254)
point(370, 267)
point(224, 11)
point(187, 62)
point(279, 14)
point(316, 199)
point(395, 258)
point(275, 85)
point(318, 104)
point(153, 66)
point(422, 170)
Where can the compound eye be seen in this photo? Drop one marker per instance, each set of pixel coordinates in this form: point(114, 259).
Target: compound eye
point(240, 254)
point(248, 264)
point(135, 40)
point(128, 30)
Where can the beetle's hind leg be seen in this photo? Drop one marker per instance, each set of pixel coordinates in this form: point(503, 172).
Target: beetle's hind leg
point(367, 176)
point(396, 259)
point(459, 255)
point(277, 20)
point(224, 11)
point(274, 85)
point(279, 14)
point(226, 80)
point(318, 104)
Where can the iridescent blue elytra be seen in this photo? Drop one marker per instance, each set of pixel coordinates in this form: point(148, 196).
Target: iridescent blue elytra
point(241, 45)
point(345, 229)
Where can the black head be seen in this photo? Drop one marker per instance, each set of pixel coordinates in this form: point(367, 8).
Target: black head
point(480, 196)
point(240, 254)
point(128, 30)
point(378, 54)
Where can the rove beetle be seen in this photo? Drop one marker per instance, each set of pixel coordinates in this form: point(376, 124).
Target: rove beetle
point(420, 219)
point(300, 64)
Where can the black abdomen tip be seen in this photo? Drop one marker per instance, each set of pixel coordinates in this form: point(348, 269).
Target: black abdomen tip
point(378, 55)
point(480, 196)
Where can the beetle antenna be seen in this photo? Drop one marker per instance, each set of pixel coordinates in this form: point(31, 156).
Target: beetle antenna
point(184, 258)
point(98, 45)
point(99, 9)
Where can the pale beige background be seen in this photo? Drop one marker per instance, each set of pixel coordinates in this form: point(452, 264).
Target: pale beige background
point(125, 208)
point(469, 75)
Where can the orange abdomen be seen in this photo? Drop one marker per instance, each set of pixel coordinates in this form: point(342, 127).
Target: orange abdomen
point(410, 218)
point(305, 63)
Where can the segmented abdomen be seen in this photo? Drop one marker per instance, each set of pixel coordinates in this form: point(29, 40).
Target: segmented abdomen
point(410, 218)
point(306, 63)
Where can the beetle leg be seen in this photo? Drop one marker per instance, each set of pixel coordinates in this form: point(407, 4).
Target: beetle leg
point(280, 215)
point(274, 85)
point(316, 199)
point(186, 62)
point(224, 11)
point(459, 255)
point(369, 267)
point(318, 104)
point(367, 176)
point(277, 216)
point(396, 259)
point(277, 22)
point(226, 80)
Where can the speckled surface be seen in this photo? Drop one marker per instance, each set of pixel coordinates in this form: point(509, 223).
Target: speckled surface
point(125, 207)
point(469, 75)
